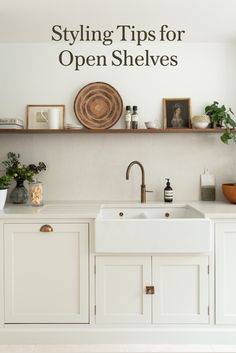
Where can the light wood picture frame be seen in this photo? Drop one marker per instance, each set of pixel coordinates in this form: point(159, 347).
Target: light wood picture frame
point(36, 116)
point(177, 113)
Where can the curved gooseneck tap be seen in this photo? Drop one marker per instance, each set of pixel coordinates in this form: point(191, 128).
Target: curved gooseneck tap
point(143, 186)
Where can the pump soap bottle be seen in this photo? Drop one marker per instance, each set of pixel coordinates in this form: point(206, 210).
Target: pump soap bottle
point(168, 192)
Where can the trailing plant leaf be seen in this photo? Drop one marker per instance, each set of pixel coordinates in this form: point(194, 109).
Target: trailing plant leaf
point(225, 137)
point(231, 111)
point(231, 121)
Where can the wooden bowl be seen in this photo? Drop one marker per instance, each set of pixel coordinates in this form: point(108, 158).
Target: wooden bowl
point(229, 191)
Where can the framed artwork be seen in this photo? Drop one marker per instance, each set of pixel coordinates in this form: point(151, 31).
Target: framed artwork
point(177, 113)
point(45, 116)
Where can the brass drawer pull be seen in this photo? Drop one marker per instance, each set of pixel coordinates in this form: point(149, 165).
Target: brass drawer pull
point(150, 290)
point(46, 228)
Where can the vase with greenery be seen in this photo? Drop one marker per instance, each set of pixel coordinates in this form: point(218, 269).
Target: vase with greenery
point(222, 117)
point(20, 173)
point(5, 181)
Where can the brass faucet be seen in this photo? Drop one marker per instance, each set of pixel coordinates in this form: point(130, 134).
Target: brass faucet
point(143, 186)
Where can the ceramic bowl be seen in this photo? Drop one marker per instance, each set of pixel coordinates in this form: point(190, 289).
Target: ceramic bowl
point(200, 124)
point(229, 191)
point(151, 124)
point(200, 121)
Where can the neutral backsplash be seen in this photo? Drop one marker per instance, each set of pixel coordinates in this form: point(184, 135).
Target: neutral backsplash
point(92, 167)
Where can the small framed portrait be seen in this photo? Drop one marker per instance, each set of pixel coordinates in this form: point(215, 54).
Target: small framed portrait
point(177, 113)
point(45, 116)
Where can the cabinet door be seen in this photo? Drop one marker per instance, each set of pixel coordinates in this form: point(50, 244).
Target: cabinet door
point(120, 289)
point(46, 274)
point(225, 236)
point(181, 289)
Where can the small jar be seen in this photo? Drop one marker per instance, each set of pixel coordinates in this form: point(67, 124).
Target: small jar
point(36, 193)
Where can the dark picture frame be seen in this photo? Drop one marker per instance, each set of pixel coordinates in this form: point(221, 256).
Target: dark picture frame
point(177, 113)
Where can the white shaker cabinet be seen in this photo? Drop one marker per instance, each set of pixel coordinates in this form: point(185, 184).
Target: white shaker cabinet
point(225, 238)
point(46, 273)
point(181, 289)
point(160, 289)
point(120, 289)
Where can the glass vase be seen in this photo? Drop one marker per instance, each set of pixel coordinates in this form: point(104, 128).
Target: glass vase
point(19, 194)
point(36, 193)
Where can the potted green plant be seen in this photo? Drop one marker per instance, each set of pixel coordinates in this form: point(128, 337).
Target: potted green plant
point(20, 173)
point(221, 117)
point(5, 181)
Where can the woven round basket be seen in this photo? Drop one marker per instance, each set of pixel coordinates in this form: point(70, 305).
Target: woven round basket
point(98, 105)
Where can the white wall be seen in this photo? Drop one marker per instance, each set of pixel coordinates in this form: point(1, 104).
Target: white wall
point(89, 167)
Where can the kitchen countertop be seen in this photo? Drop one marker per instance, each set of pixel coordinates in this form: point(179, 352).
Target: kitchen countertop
point(215, 209)
point(89, 209)
point(52, 209)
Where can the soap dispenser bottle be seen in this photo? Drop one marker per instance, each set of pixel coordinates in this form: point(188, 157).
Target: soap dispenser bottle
point(168, 192)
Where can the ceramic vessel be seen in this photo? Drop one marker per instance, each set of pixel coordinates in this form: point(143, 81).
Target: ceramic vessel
point(3, 197)
point(151, 124)
point(200, 121)
point(19, 194)
point(229, 191)
point(200, 124)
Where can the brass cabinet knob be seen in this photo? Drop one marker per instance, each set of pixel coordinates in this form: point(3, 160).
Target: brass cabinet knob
point(150, 290)
point(46, 228)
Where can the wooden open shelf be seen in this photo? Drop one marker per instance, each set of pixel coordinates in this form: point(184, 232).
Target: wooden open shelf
point(108, 131)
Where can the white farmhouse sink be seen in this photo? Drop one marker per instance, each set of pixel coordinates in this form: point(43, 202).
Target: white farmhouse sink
point(151, 229)
point(160, 212)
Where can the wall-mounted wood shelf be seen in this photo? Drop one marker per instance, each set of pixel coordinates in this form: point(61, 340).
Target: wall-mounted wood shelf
point(108, 131)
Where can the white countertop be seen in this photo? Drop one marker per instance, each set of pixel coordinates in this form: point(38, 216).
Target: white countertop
point(90, 209)
point(52, 209)
point(215, 209)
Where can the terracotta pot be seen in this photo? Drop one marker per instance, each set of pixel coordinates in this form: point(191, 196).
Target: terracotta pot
point(229, 190)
